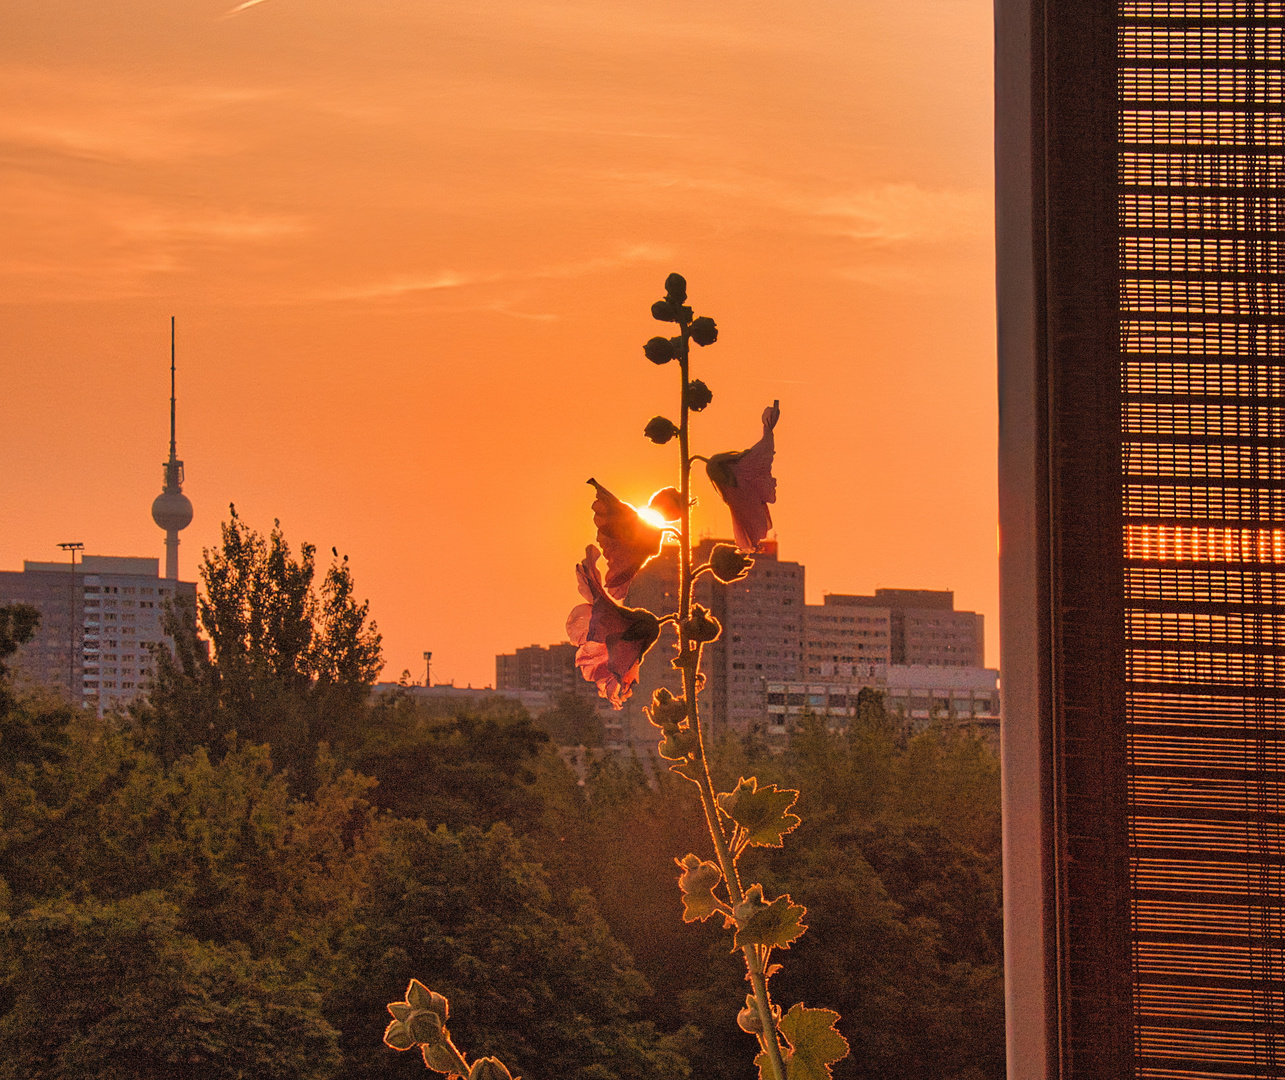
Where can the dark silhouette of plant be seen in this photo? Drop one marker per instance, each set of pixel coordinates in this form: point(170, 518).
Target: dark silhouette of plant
point(802, 1043)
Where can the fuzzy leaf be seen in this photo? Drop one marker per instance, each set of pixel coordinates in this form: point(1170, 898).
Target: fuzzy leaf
point(762, 811)
point(489, 1068)
point(401, 1010)
point(689, 769)
point(425, 1028)
point(697, 882)
point(398, 1036)
point(440, 1058)
point(814, 1043)
point(419, 996)
point(775, 924)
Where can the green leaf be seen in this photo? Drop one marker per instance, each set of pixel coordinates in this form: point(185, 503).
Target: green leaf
point(425, 1027)
point(763, 812)
point(441, 1058)
point(697, 881)
point(398, 1036)
point(814, 1043)
point(765, 1067)
point(489, 1068)
point(401, 1010)
point(690, 769)
point(775, 924)
point(418, 996)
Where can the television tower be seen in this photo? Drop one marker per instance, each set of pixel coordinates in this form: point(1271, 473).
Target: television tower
point(172, 510)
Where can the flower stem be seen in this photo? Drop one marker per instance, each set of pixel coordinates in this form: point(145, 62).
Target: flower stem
point(727, 863)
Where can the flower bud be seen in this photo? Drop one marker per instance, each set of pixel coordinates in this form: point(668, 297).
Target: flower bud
point(668, 503)
point(675, 288)
point(748, 1018)
point(667, 710)
point(704, 331)
point(678, 744)
point(659, 430)
point(700, 625)
point(663, 311)
point(697, 395)
point(659, 350)
point(727, 564)
point(750, 906)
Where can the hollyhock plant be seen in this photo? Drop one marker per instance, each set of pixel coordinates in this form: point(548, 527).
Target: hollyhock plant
point(612, 638)
point(744, 479)
point(668, 503)
point(798, 1044)
point(627, 541)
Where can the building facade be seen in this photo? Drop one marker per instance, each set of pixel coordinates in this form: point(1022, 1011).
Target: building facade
point(894, 626)
point(1140, 157)
point(547, 668)
point(762, 618)
point(845, 639)
point(917, 695)
point(97, 627)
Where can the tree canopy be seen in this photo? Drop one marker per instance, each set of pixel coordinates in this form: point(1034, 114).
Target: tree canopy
point(234, 880)
point(283, 662)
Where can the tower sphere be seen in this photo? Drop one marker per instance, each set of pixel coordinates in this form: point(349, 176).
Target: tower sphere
point(172, 510)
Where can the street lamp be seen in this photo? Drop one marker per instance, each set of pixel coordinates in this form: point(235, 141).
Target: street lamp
point(73, 547)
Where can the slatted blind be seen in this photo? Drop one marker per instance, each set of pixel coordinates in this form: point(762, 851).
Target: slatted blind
point(1201, 171)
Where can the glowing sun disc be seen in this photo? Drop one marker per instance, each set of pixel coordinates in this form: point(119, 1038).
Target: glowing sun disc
point(652, 517)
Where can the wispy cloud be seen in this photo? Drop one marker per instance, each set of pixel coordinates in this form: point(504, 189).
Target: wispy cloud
point(898, 213)
point(884, 213)
point(437, 281)
point(402, 286)
point(57, 116)
point(213, 227)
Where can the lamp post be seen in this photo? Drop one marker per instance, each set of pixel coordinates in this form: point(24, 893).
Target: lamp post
point(73, 547)
point(428, 670)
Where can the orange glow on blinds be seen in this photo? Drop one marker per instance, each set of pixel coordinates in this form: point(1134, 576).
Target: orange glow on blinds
point(1195, 543)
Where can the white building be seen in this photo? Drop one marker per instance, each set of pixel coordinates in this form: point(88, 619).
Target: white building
point(101, 656)
point(918, 694)
point(844, 640)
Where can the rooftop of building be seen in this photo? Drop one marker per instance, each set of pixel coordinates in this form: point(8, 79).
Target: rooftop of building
point(99, 564)
point(936, 599)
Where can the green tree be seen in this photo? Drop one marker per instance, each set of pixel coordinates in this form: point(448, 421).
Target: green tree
point(285, 662)
point(572, 721)
point(533, 974)
point(117, 991)
point(18, 623)
point(33, 729)
point(456, 765)
point(896, 860)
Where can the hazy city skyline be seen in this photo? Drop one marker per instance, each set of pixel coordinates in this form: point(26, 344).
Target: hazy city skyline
point(411, 254)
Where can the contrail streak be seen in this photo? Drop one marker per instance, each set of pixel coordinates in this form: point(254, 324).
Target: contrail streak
point(241, 7)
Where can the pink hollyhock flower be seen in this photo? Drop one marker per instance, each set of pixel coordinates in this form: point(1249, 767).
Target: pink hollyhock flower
point(628, 542)
point(612, 638)
point(747, 485)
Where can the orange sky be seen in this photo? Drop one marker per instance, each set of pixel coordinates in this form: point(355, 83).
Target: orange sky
point(411, 246)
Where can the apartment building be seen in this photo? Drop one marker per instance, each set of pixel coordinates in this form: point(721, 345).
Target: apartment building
point(98, 625)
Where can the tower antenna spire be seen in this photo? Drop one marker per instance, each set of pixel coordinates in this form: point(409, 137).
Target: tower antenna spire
point(172, 510)
point(173, 443)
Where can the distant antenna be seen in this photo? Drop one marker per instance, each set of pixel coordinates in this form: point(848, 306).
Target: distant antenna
point(173, 442)
point(172, 510)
